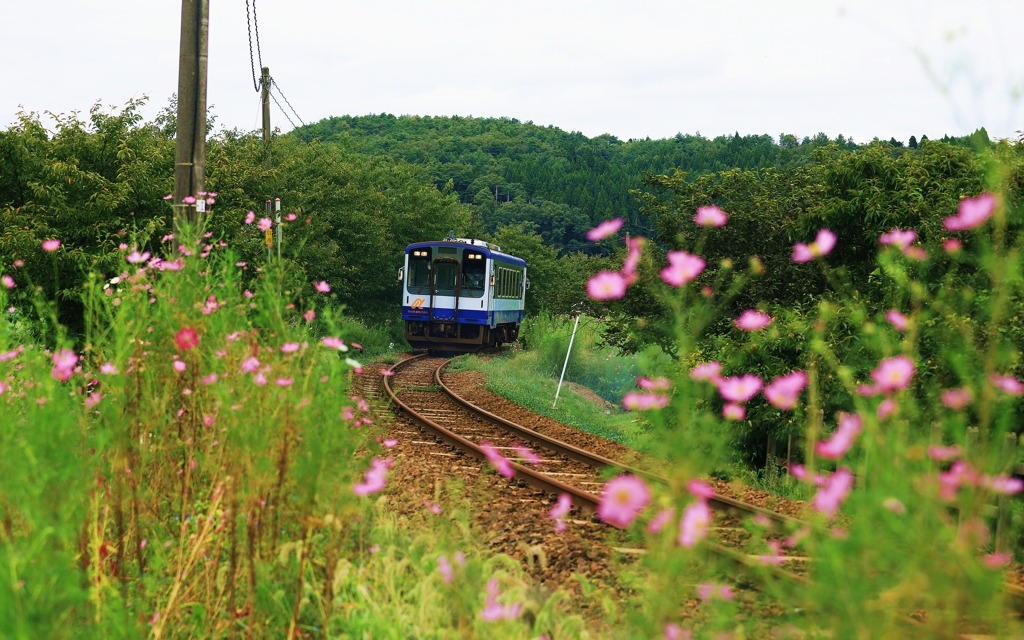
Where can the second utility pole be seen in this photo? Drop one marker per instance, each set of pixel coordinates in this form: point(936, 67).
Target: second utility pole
point(265, 92)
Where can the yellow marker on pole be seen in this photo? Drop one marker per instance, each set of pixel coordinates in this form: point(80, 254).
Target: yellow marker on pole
point(270, 238)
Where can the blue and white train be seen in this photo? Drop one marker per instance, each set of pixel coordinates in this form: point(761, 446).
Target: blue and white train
point(461, 295)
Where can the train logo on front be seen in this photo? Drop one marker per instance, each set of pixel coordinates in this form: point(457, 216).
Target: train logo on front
point(417, 303)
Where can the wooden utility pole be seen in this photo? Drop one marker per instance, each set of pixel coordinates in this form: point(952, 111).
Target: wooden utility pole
point(265, 90)
point(190, 142)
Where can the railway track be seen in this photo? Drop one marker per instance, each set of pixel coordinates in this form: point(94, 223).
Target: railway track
point(418, 392)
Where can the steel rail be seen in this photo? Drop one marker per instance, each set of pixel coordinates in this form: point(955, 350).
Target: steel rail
point(583, 499)
point(718, 502)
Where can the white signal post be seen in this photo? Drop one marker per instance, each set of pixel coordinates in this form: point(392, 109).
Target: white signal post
point(562, 377)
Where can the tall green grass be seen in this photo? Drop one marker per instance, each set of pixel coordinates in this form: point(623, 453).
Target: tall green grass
point(216, 501)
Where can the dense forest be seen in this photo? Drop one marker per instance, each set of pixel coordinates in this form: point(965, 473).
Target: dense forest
point(562, 183)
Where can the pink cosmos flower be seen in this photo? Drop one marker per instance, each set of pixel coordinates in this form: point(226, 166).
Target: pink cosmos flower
point(959, 474)
point(710, 216)
point(19, 263)
point(50, 246)
point(433, 507)
point(387, 372)
point(374, 479)
point(916, 252)
point(186, 339)
point(493, 611)
point(561, 508)
point(1009, 384)
point(322, 286)
point(10, 355)
point(710, 590)
point(823, 243)
point(290, 217)
point(122, 247)
point(894, 505)
point(135, 257)
point(682, 268)
point(971, 213)
point(784, 391)
point(897, 319)
point(893, 373)
point(346, 413)
point(798, 471)
point(644, 401)
point(695, 523)
point(996, 560)
point(250, 364)
point(309, 316)
point(936, 452)
point(635, 246)
point(8, 281)
point(1003, 484)
point(284, 382)
point(64, 362)
point(264, 224)
point(957, 398)
point(740, 388)
point(709, 371)
point(828, 498)
point(526, 454)
point(657, 384)
point(702, 490)
point(334, 343)
point(389, 443)
point(259, 379)
point(189, 199)
point(362, 406)
point(752, 320)
point(108, 369)
point(733, 411)
point(499, 461)
point(842, 439)
point(622, 499)
point(775, 557)
point(179, 366)
point(210, 379)
point(605, 229)
point(93, 400)
point(674, 632)
point(886, 408)
point(607, 285)
point(250, 217)
point(868, 390)
point(897, 238)
point(952, 245)
point(290, 347)
point(659, 521)
point(445, 569)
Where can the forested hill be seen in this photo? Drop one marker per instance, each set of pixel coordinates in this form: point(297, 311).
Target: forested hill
point(563, 182)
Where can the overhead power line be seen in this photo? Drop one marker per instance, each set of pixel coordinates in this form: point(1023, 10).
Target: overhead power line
point(251, 23)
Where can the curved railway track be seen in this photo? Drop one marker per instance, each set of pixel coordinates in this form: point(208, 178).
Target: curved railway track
point(422, 397)
point(440, 413)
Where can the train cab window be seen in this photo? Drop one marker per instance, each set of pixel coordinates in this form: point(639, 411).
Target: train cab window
point(474, 268)
point(445, 274)
point(419, 271)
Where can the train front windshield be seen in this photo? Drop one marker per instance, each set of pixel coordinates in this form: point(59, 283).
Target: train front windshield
point(419, 271)
point(474, 270)
point(444, 280)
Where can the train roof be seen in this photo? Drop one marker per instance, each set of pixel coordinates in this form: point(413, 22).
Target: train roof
point(484, 247)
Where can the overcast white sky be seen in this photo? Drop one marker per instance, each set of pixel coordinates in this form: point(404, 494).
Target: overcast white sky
point(632, 69)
